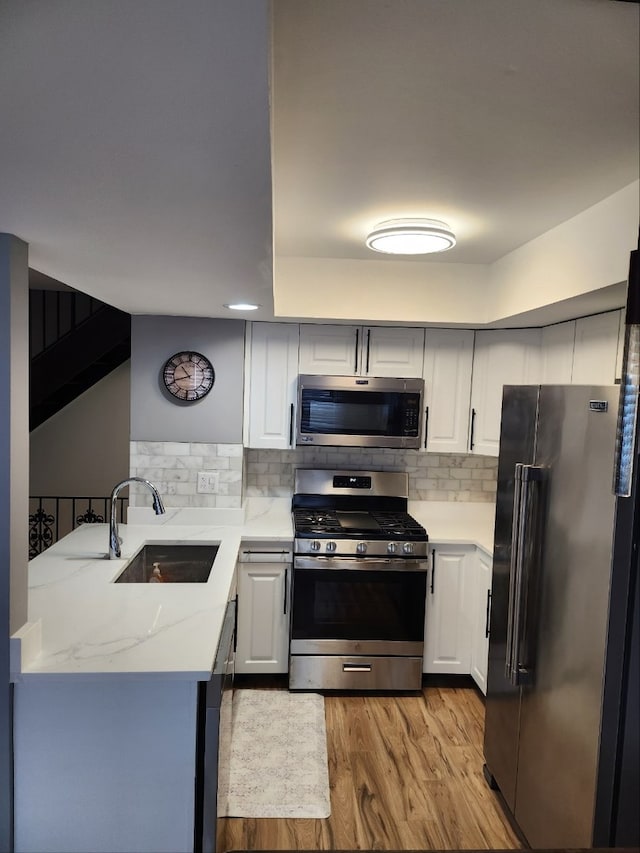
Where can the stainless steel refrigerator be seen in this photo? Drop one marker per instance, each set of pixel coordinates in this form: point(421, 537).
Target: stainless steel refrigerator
point(561, 740)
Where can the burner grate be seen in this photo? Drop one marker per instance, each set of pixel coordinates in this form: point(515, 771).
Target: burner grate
point(387, 525)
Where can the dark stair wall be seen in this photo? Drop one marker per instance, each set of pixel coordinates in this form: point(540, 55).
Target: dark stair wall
point(75, 341)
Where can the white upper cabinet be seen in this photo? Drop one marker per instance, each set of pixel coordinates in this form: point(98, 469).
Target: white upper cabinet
point(501, 357)
point(596, 349)
point(391, 351)
point(270, 385)
point(557, 353)
point(448, 360)
point(361, 350)
point(329, 350)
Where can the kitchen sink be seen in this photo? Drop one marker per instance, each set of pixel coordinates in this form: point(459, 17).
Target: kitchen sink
point(170, 563)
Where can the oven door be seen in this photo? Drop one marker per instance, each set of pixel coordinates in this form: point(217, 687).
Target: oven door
point(358, 606)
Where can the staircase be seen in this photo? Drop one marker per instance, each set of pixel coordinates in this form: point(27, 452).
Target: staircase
point(74, 342)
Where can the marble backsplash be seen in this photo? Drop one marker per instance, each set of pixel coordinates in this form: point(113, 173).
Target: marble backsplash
point(173, 467)
point(435, 477)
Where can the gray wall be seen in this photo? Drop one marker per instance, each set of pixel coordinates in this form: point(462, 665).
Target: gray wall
point(14, 474)
point(84, 448)
point(155, 415)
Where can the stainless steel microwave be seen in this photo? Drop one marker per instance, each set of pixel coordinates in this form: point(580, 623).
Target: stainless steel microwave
point(359, 411)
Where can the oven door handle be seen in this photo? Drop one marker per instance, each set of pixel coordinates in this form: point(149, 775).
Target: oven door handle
point(359, 564)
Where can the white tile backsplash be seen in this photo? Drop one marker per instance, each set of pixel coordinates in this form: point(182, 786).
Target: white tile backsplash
point(437, 477)
point(172, 466)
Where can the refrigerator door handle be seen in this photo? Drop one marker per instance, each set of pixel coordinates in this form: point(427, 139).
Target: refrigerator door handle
point(515, 542)
point(521, 557)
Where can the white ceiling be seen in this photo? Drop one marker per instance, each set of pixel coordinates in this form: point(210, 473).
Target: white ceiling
point(136, 154)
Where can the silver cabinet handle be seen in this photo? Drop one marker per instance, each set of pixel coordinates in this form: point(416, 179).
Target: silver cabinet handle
point(291, 426)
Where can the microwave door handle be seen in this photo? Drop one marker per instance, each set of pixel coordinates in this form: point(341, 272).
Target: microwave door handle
point(355, 369)
point(368, 347)
point(426, 426)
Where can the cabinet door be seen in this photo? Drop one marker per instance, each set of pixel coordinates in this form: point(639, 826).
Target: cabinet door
point(448, 358)
point(271, 385)
point(482, 610)
point(392, 351)
point(263, 618)
point(596, 349)
point(330, 350)
point(447, 638)
point(501, 357)
point(557, 353)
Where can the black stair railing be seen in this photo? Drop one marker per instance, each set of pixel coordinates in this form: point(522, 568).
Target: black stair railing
point(54, 314)
point(52, 517)
point(75, 341)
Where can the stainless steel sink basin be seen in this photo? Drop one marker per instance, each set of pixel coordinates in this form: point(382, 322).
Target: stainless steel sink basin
point(170, 563)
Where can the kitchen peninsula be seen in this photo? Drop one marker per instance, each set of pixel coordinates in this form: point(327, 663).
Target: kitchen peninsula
point(106, 676)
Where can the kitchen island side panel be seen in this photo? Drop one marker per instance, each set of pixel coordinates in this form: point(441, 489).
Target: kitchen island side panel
point(104, 766)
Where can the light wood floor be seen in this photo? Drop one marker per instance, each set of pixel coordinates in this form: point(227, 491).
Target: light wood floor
point(405, 774)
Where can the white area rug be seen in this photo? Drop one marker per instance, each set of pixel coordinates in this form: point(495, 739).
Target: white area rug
point(278, 762)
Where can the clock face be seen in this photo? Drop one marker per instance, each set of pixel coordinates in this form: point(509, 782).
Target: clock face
point(188, 376)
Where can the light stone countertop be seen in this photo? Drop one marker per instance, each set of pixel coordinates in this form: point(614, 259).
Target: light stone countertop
point(456, 522)
point(82, 625)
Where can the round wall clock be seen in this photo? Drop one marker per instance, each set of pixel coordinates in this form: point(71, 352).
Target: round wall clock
point(188, 376)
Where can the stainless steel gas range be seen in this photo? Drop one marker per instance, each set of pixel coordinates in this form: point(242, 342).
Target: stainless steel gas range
point(359, 583)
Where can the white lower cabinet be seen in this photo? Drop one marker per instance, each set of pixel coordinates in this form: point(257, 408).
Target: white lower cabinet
point(482, 572)
point(448, 614)
point(456, 638)
point(264, 580)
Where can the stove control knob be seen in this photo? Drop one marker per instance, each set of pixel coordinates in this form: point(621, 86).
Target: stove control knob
point(392, 548)
point(315, 545)
point(331, 547)
point(361, 548)
point(408, 548)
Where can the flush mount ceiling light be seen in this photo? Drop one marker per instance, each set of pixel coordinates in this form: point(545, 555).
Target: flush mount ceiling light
point(242, 306)
point(411, 237)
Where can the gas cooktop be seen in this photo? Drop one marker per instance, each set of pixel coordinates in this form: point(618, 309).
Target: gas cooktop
point(353, 523)
point(355, 513)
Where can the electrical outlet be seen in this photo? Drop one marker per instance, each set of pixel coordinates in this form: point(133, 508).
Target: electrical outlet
point(207, 482)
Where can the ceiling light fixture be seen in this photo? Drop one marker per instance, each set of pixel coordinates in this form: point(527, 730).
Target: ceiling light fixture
point(242, 306)
point(411, 237)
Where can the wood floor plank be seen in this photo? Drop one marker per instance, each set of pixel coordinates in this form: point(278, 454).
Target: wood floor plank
point(405, 774)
